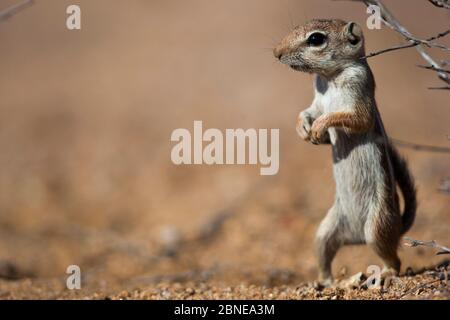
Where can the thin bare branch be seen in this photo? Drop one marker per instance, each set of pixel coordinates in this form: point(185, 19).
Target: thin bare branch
point(394, 48)
point(431, 244)
point(439, 88)
point(9, 12)
point(434, 68)
point(389, 20)
point(420, 147)
point(440, 3)
point(414, 43)
point(439, 35)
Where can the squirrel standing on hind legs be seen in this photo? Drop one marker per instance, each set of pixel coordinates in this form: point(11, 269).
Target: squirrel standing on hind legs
point(366, 166)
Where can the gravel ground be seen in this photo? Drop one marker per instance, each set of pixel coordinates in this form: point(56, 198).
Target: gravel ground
point(86, 178)
point(428, 285)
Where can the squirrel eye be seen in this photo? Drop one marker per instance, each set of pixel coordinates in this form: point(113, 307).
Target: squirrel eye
point(316, 39)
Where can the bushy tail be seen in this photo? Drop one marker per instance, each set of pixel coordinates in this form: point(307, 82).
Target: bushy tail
point(406, 183)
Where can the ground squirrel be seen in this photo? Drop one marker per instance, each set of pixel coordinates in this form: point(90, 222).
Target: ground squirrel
point(366, 166)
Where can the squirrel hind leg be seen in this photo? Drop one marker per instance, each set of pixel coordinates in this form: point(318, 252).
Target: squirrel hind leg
point(391, 261)
point(385, 245)
point(328, 241)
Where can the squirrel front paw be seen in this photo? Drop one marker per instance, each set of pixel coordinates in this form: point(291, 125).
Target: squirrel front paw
point(319, 133)
point(303, 127)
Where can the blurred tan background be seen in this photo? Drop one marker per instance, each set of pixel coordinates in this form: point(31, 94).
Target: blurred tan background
point(85, 124)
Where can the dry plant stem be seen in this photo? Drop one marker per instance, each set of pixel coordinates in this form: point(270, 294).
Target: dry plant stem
point(414, 43)
point(439, 88)
point(432, 244)
point(441, 3)
point(434, 69)
point(413, 290)
point(390, 21)
point(394, 48)
point(9, 12)
point(420, 147)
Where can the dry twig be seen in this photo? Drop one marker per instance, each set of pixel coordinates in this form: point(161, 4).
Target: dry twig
point(389, 20)
point(439, 88)
point(441, 3)
point(420, 147)
point(432, 244)
point(9, 12)
point(434, 68)
point(414, 42)
point(418, 287)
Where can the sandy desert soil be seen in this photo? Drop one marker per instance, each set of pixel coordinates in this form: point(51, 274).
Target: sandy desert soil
point(86, 177)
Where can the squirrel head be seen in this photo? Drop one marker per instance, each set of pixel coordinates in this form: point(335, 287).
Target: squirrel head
point(322, 46)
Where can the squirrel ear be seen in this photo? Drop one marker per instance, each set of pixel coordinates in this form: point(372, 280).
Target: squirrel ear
point(353, 33)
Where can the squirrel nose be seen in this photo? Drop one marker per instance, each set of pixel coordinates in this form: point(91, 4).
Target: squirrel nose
point(278, 52)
